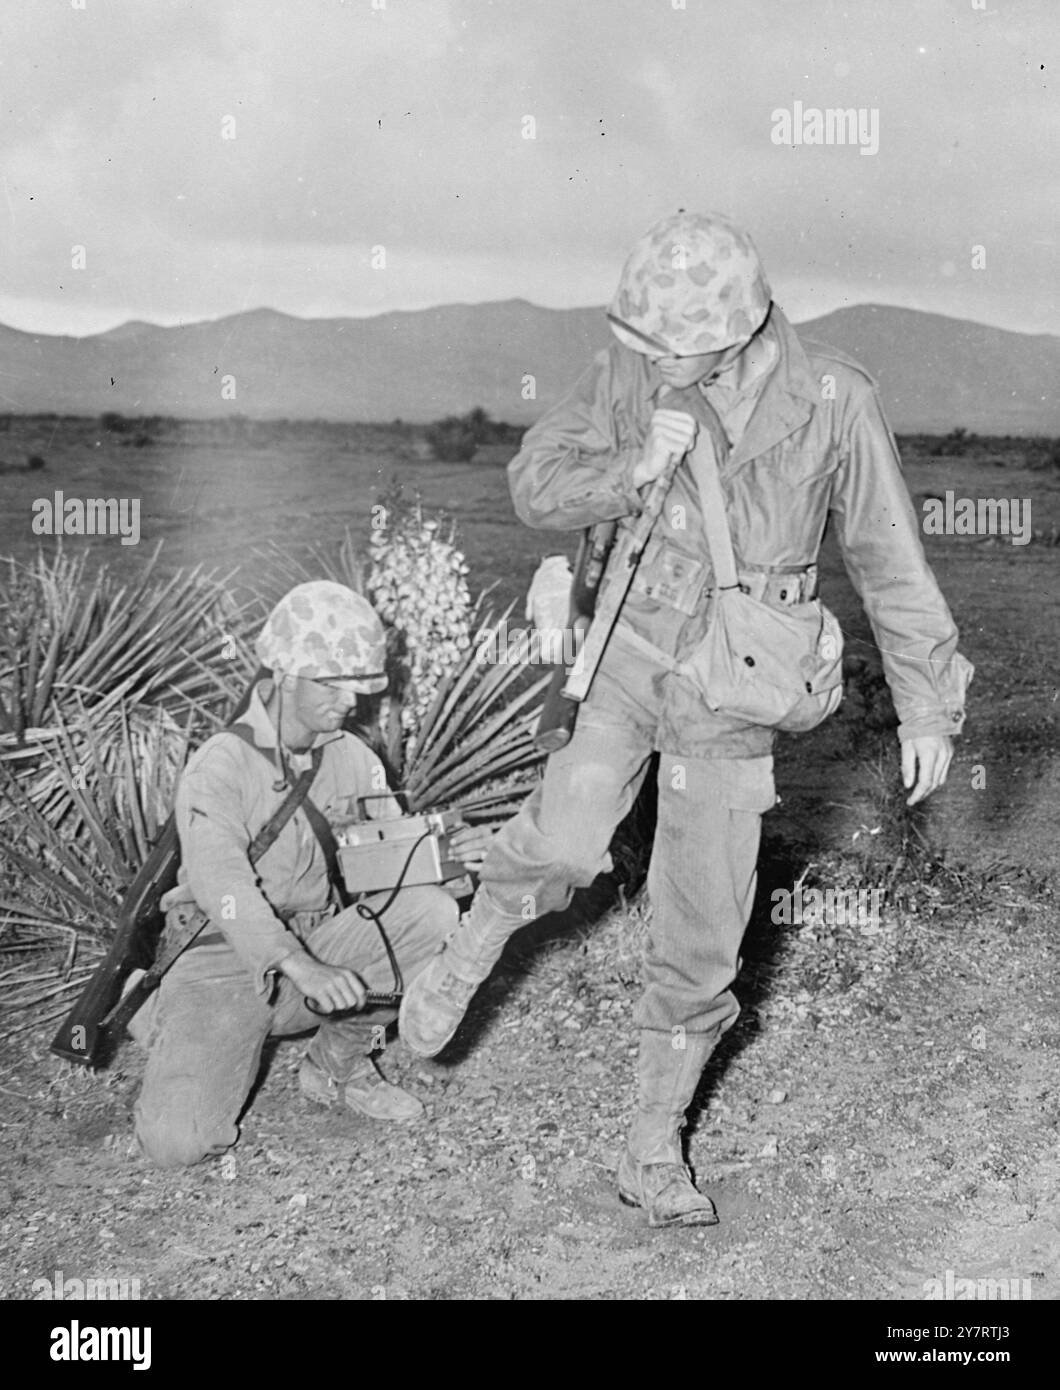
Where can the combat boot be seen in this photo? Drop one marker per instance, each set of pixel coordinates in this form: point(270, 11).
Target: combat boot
point(652, 1172)
point(366, 1091)
point(438, 998)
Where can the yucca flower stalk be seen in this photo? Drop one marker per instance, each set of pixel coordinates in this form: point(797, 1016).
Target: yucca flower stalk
point(418, 586)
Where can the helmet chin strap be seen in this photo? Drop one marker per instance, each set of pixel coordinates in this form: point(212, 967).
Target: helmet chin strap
point(281, 757)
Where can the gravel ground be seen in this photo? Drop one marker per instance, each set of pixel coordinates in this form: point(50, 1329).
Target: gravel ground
point(881, 1114)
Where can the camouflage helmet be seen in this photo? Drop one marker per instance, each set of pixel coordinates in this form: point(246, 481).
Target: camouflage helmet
point(693, 284)
point(324, 631)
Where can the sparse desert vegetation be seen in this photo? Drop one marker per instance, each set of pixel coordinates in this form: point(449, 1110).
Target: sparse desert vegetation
point(882, 1112)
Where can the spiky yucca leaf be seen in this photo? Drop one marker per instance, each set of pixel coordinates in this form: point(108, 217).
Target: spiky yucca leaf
point(67, 633)
point(284, 571)
point(77, 829)
point(130, 757)
point(464, 760)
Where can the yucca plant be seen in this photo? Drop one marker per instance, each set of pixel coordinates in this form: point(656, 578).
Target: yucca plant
point(135, 752)
point(88, 770)
point(475, 750)
point(77, 829)
point(284, 569)
point(69, 634)
point(458, 729)
point(418, 586)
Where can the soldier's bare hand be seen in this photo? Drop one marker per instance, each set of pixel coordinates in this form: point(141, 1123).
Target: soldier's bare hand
point(670, 435)
point(925, 761)
point(470, 843)
point(331, 987)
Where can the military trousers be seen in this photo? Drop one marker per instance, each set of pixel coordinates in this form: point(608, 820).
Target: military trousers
point(206, 1025)
point(702, 876)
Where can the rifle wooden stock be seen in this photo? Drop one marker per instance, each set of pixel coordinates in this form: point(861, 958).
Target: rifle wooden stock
point(556, 724)
point(623, 564)
point(81, 1035)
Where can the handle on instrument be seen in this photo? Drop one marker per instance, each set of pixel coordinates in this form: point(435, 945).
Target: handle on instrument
point(374, 999)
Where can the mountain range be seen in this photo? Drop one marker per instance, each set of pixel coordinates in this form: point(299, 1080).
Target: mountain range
point(512, 358)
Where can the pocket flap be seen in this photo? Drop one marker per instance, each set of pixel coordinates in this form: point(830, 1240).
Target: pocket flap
point(746, 784)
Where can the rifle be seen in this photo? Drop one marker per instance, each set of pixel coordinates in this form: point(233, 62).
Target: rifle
point(93, 1016)
point(570, 688)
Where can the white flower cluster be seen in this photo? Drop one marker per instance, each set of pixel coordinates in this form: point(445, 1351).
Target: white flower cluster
point(417, 584)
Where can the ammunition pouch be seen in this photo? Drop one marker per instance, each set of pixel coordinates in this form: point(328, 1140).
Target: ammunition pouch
point(780, 588)
point(668, 575)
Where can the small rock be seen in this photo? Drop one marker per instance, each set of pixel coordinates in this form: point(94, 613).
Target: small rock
point(777, 1096)
point(298, 1202)
point(771, 1148)
point(570, 1175)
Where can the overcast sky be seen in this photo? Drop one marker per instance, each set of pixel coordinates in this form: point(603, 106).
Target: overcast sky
point(404, 127)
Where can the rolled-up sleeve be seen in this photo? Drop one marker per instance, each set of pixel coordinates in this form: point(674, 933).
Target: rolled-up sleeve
point(880, 541)
point(214, 845)
point(573, 470)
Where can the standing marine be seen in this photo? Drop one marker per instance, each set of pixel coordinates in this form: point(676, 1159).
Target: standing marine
point(799, 437)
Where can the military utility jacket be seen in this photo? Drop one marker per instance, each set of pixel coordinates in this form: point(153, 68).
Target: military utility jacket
point(226, 794)
point(816, 445)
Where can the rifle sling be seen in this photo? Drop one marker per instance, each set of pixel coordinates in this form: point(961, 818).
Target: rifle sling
point(325, 838)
